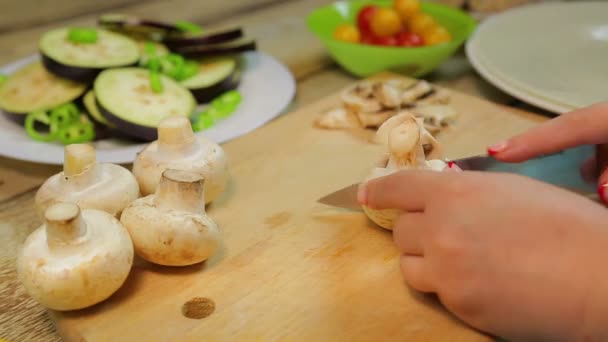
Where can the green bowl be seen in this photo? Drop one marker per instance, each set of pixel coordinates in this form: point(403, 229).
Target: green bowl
point(364, 60)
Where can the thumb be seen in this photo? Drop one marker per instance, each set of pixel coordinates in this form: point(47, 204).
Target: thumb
point(583, 126)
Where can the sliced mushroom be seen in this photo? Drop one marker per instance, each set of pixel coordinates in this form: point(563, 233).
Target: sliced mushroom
point(437, 96)
point(374, 120)
point(410, 95)
point(436, 115)
point(389, 94)
point(360, 98)
point(338, 118)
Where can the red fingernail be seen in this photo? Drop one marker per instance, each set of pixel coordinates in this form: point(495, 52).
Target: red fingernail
point(601, 190)
point(450, 164)
point(362, 194)
point(497, 148)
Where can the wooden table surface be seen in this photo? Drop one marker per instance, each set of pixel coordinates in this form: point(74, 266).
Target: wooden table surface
point(279, 27)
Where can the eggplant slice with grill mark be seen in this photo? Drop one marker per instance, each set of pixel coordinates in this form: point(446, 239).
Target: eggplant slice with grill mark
point(33, 88)
point(215, 76)
point(125, 99)
point(82, 62)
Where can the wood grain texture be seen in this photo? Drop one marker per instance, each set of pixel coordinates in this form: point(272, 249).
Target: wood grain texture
point(20, 14)
point(292, 269)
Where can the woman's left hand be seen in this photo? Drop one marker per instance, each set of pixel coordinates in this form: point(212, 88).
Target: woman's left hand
point(507, 254)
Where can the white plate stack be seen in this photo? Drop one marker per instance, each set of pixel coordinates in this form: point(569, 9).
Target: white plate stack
point(551, 55)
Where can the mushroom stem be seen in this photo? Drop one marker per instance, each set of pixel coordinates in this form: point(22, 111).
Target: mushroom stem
point(64, 224)
point(403, 141)
point(181, 190)
point(175, 133)
point(78, 158)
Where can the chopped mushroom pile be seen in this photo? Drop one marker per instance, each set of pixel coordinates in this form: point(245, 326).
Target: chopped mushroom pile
point(368, 104)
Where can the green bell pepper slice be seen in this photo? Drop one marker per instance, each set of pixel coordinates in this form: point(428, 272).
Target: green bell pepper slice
point(39, 117)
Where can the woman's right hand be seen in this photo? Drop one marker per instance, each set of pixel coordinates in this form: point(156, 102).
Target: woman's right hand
point(585, 126)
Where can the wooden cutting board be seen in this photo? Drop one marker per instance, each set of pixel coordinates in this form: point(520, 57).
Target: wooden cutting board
point(292, 269)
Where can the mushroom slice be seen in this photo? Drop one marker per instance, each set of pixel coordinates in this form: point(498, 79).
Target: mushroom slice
point(435, 115)
point(437, 96)
point(360, 98)
point(418, 90)
point(388, 93)
point(374, 120)
point(338, 118)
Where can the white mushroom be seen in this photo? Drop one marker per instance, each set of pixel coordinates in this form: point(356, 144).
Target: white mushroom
point(404, 137)
point(432, 149)
point(179, 148)
point(360, 98)
point(88, 184)
point(338, 118)
point(171, 227)
point(76, 258)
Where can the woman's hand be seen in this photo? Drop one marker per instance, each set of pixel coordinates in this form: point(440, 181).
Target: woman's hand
point(509, 255)
point(584, 126)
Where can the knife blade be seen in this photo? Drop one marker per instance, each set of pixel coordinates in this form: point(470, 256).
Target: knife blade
point(561, 169)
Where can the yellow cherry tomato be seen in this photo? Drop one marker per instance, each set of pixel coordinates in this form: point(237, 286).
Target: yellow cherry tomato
point(347, 33)
point(437, 35)
point(421, 23)
point(406, 8)
point(385, 22)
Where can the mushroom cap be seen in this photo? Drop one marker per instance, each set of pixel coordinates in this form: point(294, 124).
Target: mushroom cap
point(107, 187)
point(75, 276)
point(170, 237)
point(204, 156)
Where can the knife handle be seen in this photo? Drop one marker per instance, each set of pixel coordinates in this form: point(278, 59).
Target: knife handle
point(601, 155)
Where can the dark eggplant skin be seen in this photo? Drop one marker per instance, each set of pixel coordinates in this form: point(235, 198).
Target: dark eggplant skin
point(211, 50)
point(205, 95)
point(177, 41)
point(137, 25)
point(78, 74)
point(133, 131)
point(18, 118)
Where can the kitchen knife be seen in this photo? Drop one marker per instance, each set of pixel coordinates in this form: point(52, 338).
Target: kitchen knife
point(561, 169)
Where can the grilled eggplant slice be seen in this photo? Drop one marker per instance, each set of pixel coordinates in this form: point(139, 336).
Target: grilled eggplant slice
point(33, 88)
point(211, 50)
point(125, 99)
point(215, 76)
point(82, 62)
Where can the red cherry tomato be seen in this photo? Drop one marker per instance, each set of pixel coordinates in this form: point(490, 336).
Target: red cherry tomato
point(409, 39)
point(367, 37)
point(386, 41)
point(364, 17)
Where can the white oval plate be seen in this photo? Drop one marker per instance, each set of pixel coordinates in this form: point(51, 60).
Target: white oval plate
point(267, 87)
point(552, 55)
